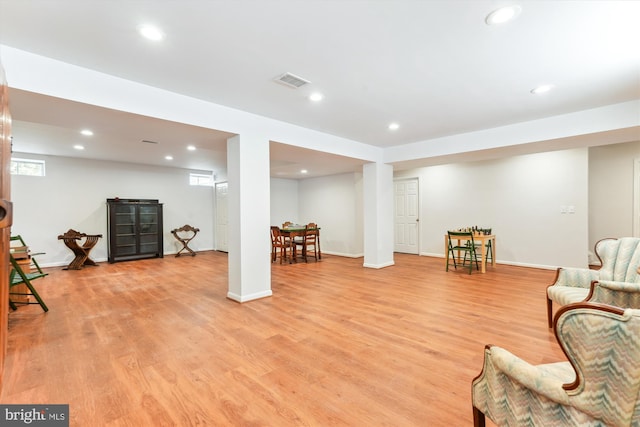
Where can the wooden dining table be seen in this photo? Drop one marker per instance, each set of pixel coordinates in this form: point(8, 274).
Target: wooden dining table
point(482, 240)
point(294, 231)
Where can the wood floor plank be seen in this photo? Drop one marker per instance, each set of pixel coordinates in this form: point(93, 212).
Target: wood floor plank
point(156, 342)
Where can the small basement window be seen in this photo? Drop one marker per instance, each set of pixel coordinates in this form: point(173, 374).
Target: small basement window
point(27, 167)
point(201, 179)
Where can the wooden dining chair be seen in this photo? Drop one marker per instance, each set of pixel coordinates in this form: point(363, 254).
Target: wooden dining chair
point(280, 246)
point(309, 240)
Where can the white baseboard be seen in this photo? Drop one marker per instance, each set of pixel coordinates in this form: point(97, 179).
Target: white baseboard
point(342, 254)
point(378, 266)
point(517, 264)
point(250, 297)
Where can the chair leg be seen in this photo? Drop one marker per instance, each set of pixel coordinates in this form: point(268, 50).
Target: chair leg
point(27, 282)
point(37, 297)
point(472, 256)
point(549, 312)
point(478, 418)
point(488, 251)
point(315, 252)
point(453, 258)
point(32, 292)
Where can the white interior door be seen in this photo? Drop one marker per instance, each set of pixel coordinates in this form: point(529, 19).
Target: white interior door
point(406, 216)
point(222, 214)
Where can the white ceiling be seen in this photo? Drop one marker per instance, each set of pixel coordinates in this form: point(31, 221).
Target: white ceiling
point(434, 67)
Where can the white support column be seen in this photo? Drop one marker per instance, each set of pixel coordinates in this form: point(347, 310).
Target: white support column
point(248, 222)
point(378, 215)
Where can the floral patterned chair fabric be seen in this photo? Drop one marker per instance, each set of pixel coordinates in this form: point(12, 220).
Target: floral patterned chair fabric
point(620, 263)
point(598, 386)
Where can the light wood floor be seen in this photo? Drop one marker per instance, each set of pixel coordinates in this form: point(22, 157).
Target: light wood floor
point(157, 343)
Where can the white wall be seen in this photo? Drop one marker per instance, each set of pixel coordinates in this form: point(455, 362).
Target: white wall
point(335, 204)
point(74, 191)
point(284, 201)
point(519, 197)
point(73, 195)
point(611, 190)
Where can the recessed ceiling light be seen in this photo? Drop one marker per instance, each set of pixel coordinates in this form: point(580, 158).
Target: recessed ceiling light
point(304, 171)
point(315, 97)
point(394, 126)
point(86, 132)
point(502, 15)
point(150, 32)
point(541, 89)
point(78, 147)
point(168, 157)
point(191, 147)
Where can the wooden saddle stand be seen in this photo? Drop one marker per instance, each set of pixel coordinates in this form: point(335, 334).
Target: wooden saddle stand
point(81, 251)
point(184, 235)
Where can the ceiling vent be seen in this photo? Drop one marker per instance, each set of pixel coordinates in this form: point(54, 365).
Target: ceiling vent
point(292, 80)
point(149, 142)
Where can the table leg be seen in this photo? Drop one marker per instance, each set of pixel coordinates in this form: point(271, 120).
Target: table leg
point(493, 254)
point(446, 251)
point(304, 248)
point(292, 249)
point(483, 256)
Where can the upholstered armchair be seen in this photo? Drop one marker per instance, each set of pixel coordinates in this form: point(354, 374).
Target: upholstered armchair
point(620, 260)
point(597, 386)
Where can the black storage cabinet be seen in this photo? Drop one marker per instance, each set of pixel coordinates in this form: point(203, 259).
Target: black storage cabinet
point(135, 229)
